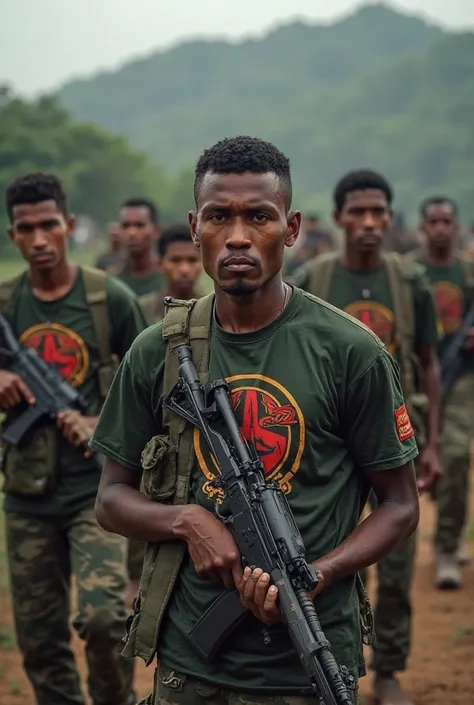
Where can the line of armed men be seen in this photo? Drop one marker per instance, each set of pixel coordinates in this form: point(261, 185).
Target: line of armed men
point(84, 321)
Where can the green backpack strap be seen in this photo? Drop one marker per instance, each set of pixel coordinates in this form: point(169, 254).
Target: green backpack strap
point(185, 323)
point(401, 273)
point(8, 289)
point(95, 285)
point(318, 275)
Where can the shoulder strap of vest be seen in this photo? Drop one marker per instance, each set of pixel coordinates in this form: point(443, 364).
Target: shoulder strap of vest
point(8, 288)
point(400, 277)
point(95, 285)
point(185, 323)
point(320, 274)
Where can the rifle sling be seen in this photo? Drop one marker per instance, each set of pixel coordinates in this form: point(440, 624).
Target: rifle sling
point(217, 623)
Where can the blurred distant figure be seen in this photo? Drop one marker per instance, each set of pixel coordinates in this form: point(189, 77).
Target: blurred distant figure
point(400, 238)
point(112, 260)
point(468, 241)
point(312, 241)
point(139, 232)
point(180, 262)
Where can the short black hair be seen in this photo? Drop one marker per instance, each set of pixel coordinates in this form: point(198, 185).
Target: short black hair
point(360, 180)
point(236, 155)
point(140, 202)
point(437, 201)
point(35, 188)
point(178, 232)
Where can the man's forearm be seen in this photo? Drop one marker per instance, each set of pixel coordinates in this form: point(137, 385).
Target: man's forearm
point(123, 510)
point(386, 527)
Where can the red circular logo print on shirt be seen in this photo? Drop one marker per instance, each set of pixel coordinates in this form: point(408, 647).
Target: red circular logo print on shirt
point(61, 348)
point(270, 418)
point(377, 317)
point(449, 300)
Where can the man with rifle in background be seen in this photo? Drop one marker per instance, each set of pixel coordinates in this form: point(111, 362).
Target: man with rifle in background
point(319, 401)
point(81, 323)
point(394, 300)
point(452, 278)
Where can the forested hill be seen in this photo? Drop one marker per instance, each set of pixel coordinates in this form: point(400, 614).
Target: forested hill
point(377, 88)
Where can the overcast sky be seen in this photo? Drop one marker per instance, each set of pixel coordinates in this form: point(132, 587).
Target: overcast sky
point(45, 42)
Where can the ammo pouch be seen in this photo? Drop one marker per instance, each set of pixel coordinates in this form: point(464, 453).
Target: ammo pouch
point(160, 469)
point(32, 470)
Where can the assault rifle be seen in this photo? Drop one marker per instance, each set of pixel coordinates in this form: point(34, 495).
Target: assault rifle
point(259, 517)
point(52, 393)
point(451, 362)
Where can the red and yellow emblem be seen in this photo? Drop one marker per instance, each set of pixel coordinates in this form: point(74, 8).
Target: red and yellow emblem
point(377, 317)
point(61, 348)
point(403, 424)
point(269, 417)
point(449, 300)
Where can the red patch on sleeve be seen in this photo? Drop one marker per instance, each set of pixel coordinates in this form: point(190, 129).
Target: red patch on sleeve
point(403, 424)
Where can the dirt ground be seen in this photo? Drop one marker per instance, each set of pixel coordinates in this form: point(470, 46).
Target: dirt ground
point(441, 666)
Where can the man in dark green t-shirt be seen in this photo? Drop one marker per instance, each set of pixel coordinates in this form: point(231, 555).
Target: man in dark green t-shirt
point(361, 286)
point(452, 280)
point(51, 483)
point(320, 397)
point(139, 227)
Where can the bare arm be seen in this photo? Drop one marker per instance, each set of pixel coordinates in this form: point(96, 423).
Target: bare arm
point(394, 520)
point(121, 508)
point(429, 465)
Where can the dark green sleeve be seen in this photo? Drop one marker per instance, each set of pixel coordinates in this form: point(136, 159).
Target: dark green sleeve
point(426, 328)
point(131, 414)
point(125, 315)
point(378, 436)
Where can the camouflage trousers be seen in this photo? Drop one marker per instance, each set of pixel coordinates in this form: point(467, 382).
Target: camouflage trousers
point(392, 609)
point(42, 554)
point(172, 688)
point(457, 433)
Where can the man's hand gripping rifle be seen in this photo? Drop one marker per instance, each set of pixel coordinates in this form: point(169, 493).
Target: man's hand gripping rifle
point(53, 394)
point(260, 519)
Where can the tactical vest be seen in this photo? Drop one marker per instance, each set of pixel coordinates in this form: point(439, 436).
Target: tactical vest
point(95, 285)
point(167, 463)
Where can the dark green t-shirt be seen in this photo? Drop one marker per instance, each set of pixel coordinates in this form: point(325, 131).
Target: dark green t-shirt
point(319, 395)
point(367, 297)
point(63, 333)
point(452, 303)
point(147, 284)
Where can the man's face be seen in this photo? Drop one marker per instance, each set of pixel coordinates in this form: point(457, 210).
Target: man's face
point(40, 231)
point(440, 224)
point(181, 265)
point(242, 227)
point(137, 229)
point(364, 217)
